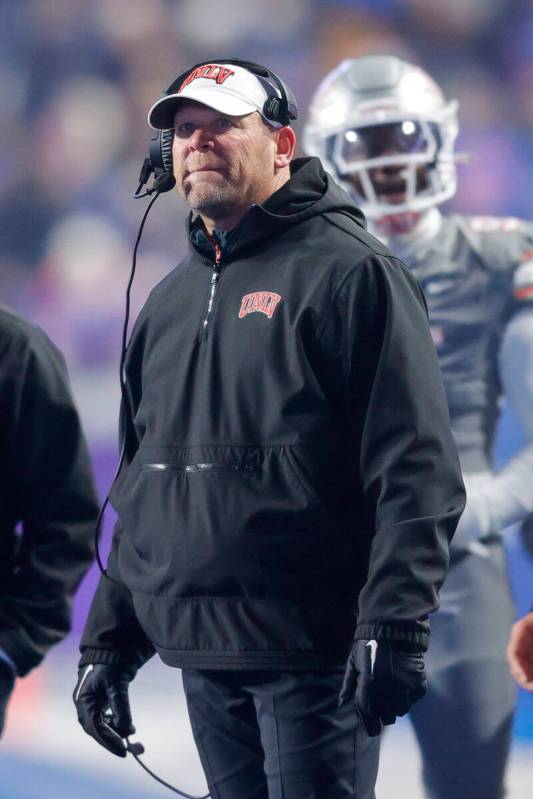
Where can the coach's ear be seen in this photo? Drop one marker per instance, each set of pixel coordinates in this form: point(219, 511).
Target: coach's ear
point(285, 146)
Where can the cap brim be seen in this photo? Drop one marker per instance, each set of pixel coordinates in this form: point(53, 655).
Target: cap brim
point(161, 114)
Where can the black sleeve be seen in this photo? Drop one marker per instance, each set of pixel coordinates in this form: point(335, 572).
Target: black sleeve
point(408, 464)
point(112, 633)
point(48, 496)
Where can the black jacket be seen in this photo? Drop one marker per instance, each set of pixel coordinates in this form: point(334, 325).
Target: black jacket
point(290, 471)
point(48, 503)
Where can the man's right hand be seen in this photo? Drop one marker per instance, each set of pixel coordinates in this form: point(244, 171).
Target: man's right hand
point(102, 704)
point(7, 682)
point(520, 651)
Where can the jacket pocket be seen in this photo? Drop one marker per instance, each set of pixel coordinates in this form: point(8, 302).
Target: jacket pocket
point(221, 521)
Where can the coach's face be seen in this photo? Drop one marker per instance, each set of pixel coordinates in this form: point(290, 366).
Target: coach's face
point(223, 164)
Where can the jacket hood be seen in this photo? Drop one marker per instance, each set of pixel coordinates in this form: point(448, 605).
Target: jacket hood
point(310, 192)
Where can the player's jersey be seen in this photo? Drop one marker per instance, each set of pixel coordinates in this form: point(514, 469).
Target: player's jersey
point(476, 275)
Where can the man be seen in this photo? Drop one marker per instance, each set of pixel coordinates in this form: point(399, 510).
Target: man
point(520, 651)
point(48, 503)
point(290, 479)
point(387, 134)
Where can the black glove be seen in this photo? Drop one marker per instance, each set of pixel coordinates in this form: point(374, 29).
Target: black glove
point(103, 706)
point(385, 680)
point(7, 682)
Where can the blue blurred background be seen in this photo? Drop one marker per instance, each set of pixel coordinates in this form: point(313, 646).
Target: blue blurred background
point(76, 78)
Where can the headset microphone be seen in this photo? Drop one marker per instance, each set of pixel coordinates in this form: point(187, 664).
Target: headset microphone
point(136, 749)
point(164, 182)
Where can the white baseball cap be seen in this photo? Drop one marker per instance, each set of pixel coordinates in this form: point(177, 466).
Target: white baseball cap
point(227, 88)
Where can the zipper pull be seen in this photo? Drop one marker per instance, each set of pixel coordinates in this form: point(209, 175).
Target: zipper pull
point(218, 254)
point(218, 251)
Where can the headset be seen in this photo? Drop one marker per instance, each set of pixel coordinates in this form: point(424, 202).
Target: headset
point(280, 107)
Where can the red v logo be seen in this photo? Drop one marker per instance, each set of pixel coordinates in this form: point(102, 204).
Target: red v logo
point(223, 73)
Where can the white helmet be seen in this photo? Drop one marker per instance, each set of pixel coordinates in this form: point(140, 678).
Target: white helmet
point(355, 102)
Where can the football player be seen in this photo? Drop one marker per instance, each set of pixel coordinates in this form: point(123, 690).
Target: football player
point(384, 129)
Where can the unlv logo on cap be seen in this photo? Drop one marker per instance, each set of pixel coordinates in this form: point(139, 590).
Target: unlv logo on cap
point(212, 71)
point(263, 301)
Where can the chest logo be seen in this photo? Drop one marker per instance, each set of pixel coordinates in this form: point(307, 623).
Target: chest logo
point(262, 301)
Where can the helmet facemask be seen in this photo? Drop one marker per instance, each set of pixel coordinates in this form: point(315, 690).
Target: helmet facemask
point(379, 113)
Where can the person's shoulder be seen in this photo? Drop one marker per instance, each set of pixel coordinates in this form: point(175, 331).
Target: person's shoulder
point(13, 326)
point(25, 349)
point(494, 227)
point(18, 332)
point(364, 260)
point(354, 235)
point(379, 274)
point(502, 244)
point(344, 224)
point(355, 254)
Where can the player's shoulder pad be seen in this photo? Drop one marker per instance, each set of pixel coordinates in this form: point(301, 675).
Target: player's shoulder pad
point(503, 244)
point(523, 281)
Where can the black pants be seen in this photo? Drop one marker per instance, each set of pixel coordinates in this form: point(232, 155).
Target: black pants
point(279, 735)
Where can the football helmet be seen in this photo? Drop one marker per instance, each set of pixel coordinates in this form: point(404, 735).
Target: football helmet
point(380, 111)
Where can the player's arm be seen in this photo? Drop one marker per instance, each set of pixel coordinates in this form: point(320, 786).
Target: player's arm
point(52, 497)
point(507, 497)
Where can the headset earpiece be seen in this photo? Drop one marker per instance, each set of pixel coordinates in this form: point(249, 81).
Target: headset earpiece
point(272, 108)
point(159, 163)
point(167, 139)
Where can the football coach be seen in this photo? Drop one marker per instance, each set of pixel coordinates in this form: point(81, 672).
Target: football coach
point(290, 484)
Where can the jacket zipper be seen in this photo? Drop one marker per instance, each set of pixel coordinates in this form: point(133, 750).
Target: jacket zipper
point(212, 291)
point(198, 467)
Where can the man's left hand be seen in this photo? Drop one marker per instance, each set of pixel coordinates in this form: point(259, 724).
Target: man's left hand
point(7, 682)
point(384, 680)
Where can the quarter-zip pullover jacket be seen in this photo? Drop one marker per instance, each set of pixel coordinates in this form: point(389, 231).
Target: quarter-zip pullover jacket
point(290, 478)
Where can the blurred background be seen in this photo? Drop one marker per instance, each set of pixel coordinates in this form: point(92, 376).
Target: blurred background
point(76, 79)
